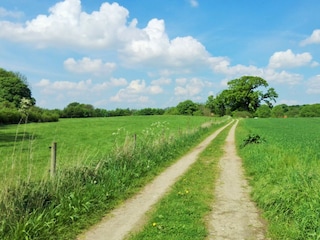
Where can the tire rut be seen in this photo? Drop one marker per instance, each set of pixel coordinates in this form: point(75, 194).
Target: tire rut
point(122, 220)
point(234, 215)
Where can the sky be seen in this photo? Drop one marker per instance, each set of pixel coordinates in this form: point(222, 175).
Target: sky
point(156, 53)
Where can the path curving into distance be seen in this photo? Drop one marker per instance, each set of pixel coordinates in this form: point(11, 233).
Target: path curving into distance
point(122, 220)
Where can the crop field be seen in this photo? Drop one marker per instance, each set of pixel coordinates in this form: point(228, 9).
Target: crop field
point(25, 152)
point(282, 161)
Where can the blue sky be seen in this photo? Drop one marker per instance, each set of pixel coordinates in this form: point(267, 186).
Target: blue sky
point(155, 53)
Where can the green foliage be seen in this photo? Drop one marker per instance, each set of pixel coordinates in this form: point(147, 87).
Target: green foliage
point(284, 173)
point(171, 111)
point(243, 94)
point(252, 139)
point(187, 107)
point(58, 209)
point(77, 110)
point(149, 111)
point(14, 87)
point(33, 114)
point(278, 111)
point(263, 111)
point(310, 110)
point(241, 114)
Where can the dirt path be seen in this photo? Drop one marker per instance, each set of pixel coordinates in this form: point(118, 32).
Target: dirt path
point(117, 224)
point(234, 215)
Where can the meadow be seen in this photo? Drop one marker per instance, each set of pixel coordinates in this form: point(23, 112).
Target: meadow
point(101, 163)
point(25, 152)
point(282, 162)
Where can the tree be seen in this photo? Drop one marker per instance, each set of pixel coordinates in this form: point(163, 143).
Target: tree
point(263, 111)
point(244, 94)
point(312, 110)
point(278, 111)
point(187, 107)
point(14, 88)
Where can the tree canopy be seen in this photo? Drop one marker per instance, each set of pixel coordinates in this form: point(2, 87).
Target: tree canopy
point(14, 88)
point(187, 107)
point(243, 94)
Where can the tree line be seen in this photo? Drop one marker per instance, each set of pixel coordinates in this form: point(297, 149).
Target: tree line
point(248, 96)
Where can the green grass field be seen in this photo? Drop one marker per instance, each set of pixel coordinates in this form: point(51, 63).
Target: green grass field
point(284, 170)
point(25, 153)
point(78, 196)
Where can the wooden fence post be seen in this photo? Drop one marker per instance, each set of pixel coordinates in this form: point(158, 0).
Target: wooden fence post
point(53, 159)
point(135, 140)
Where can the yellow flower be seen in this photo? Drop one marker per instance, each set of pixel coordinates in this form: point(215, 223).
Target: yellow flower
point(187, 191)
point(154, 224)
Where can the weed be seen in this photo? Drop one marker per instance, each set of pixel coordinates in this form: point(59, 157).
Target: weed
point(252, 139)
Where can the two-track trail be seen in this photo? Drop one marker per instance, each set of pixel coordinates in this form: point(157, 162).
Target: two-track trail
point(118, 223)
point(234, 215)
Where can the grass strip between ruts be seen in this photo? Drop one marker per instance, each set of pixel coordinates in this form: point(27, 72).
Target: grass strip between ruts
point(181, 214)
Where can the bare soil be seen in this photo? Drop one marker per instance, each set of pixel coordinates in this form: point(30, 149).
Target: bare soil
point(234, 215)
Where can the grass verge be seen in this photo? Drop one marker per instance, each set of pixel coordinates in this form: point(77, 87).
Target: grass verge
point(284, 174)
point(181, 213)
point(78, 197)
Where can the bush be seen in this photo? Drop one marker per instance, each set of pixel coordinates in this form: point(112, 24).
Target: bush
point(241, 114)
point(10, 116)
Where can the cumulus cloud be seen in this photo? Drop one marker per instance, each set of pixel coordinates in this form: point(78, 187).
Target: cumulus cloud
point(78, 88)
point(313, 39)
point(50, 87)
point(137, 91)
point(161, 81)
point(88, 65)
point(314, 85)
point(68, 26)
point(189, 87)
point(288, 59)
point(11, 14)
point(154, 47)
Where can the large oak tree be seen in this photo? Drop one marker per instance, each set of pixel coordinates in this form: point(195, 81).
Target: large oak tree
point(243, 94)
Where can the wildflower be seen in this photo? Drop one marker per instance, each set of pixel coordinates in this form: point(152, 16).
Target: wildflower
point(154, 224)
point(187, 191)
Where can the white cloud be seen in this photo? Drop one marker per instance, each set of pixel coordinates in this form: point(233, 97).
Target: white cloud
point(282, 77)
point(161, 81)
point(313, 39)
point(87, 65)
point(86, 87)
point(288, 59)
point(314, 85)
point(154, 47)
point(194, 3)
point(68, 26)
point(118, 82)
point(189, 87)
point(223, 66)
point(13, 14)
point(136, 92)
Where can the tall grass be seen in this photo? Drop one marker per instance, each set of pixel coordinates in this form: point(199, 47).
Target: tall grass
point(78, 196)
point(25, 153)
point(285, 174)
